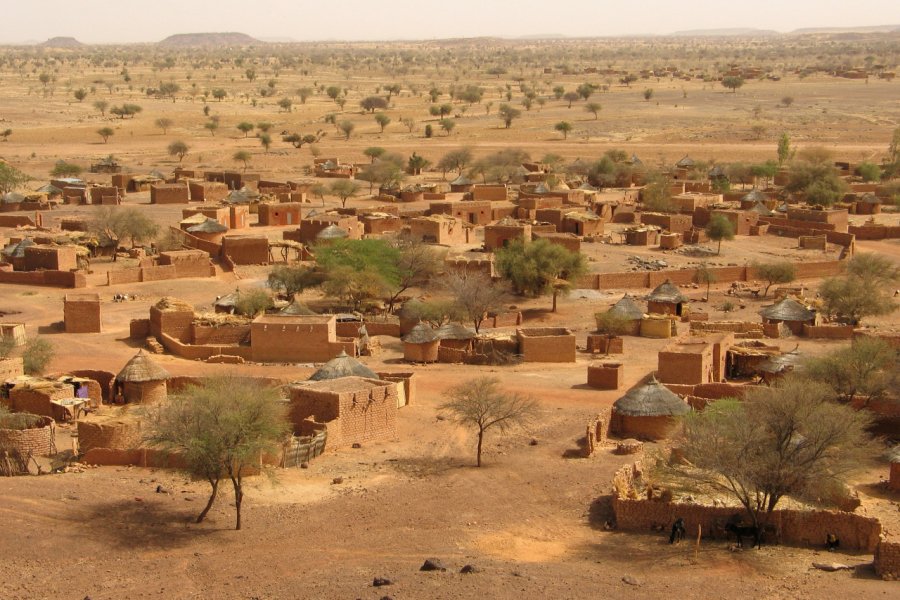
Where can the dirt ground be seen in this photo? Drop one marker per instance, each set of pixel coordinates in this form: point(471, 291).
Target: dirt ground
point(532, 519)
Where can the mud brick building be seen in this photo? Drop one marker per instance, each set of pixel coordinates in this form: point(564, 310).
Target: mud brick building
point(207, 191)
point(438, 229)
point(104, 194)
point(290, 338)
point(312, 226)
point(694, 361)
point(246, 249)
point(500, 234)
point(188, 263)
point(219, 214)
point(355, 410)
point(837, 217)
point(742, 220)
point(50, 258)
point(490, 192)
point(546, 344)
point(671, 223)
point(169, 193)
point(35, 440)
point(81, 313)
point(650, 411)
point(605, 376)
point(280, 214)
point(474, 213)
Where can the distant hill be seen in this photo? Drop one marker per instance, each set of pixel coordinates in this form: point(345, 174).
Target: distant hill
point(869, 29)
point(730, 31)
point(195, 40)
point(61, 42)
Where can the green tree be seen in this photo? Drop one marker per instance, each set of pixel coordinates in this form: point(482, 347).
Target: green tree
point(356, 271)
point(383, 120)
point(372, 103)
point(264, 126)
point(347, 128)
point(179, 149)
point(612, 325)
point(539, 268)
point(304, 93)
point(11, 178)
point(455, 160)
point(732, 82)
point(447, 125)
point(481, 405)
point(265, 140)
point(790, 440)
point(219, 94)
point(417, 266)
point(564, 127)
point(416, 164)
point(387, 171)
point(286, 104)
point(344, 189)
point(863, 292)
point(112, 224)
point(106, 133)
point(719, 229)
point(593, 108)
point(785, 151)
point(80, 94)
point(782, 271)
point(62, 168)
point(101, 105)
point(508, 114)
point(221, 428)
point(126, 110)
point(242, 156)
point(869, 171)
point(867, 369)
point(657, 194)
point(37, 355)
point(475, 295)
point(251, 303)
point(245, 127)
point(293, 279)
point(333, 92)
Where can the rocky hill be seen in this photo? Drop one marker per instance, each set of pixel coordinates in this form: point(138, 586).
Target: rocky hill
point(61, 42)
point(195, 40)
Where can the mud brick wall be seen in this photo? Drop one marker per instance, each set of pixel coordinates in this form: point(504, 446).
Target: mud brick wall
point(10, 367)
point(369, 416)
point(837, 217)
point(203, 352)
point(245, 250)
point(63, 279)
point(738, 327)
point(623, 280)
point(296, 343)
point(116, 434)
point(97, 193)
point(677, 367)
point(828, 332)
point(123, 276)
point(139, 329)
point(207, 191)
point(12, 221)
point(606, 376)
point(568, 241)
point(103, 379)
point(452, 355)
point(174, 323)
point(546, 344)
point(597, 342)
point(159, 273)
point(205, 335)
point(50, 258)
point(37, 401)
point(489, 192)
point(188, 263)
point(595, 434)
point(887, 560)
point(672, 223)
point(36, 441)
point(82, 316)
point(169, 193)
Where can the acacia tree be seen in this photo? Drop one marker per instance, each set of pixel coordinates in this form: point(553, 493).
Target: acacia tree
point(293, 279)
point(564, 127)
point(383, 120)
point(862, 292)
point(788, 440)
point(11, 178)
point(732, 82)
point(866, 369)
point(347, 128)
point(481, 405)
point(242, 156)
point(455, 160)
point(179, 149)
point(221, 428)
point(508, 114)
point(475, 295)
point(540, 267)
point(593, 108)
point(112, 224)
point(165, 124)
point(344, 189)
point(417, 265)
point(774, 272)
point(719, 229)
point(106, 133)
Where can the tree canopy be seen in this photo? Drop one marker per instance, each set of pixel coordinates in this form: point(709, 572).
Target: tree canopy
point(539, 268)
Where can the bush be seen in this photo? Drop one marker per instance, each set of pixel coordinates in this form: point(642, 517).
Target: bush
point(37, 355)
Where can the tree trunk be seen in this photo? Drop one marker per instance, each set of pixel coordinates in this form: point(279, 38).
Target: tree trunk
point(212, 498)
point(719, 250)
point(480, 439)
point(708, 283)
point(555, 294)
point(238, 498)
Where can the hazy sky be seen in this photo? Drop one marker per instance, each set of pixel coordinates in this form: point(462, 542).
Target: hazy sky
point(102, 21)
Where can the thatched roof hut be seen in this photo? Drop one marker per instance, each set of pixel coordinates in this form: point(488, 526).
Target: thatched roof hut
point(686, 162)
point(141, 368)
point(332, 232)
point(420, 334)
point(208, 226)
point(454, 331)
point(421, 344)
point(666, 299)
point(343, 366)
point(649, 411)
point(787, 309)
point(296, 308)
point(627, 308)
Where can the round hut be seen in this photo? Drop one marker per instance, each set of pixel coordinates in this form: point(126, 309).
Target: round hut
point(421, 344)
point(461, 184)
point(650, 411)
point(629, 310)
point(209, 230)
point(455, 337)
point(343, 365)
point(331, 233)
point(297, 309)
point(141, 380)
point(790, 312)
point(667, 299)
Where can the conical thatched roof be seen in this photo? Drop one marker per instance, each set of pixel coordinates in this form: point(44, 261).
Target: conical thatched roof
point(652, 399)
point(241, 196)
point(332, 232)
point(454, 331)
point(587, 187)
point(50, 190)
point(296, 308)
point(141, 369)
point(781, 363)
point(761, 209)
point(627, 308)
point(667, 292)
point(870, 198)
point(462, 180)
point(717, 172)
point(343, 366)
point(420, 334)
point(208, 226)
point(787, 309)
point(685, 162)
point(754, 196)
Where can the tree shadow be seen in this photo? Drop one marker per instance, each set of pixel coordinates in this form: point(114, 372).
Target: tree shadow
point(52, 328)
point(129, 523)
point(428, 466)
point(132, 342)
point(578, 452)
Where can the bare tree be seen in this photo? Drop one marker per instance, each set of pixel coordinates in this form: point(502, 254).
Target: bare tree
point(480, 404)
point(476, 294)
point(221, 428)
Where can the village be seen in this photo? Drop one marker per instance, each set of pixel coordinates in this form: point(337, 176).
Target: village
point(612, 302)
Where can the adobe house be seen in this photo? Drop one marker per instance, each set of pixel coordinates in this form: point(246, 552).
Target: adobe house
point(104, 194)
point(50, 258)
point(313, 224)
point(39, 396)
point(14, 332)
point(456, 342)
point(832, 216)
point(474, 213)
point(208, 229)
point(81, 313)
point(421, 344)
point(641, 236)
point(438, 229)
point(569, 241)
point(741, 220)
point(297, 338)
point(670, 241)
point(246, 249)
point(169, 193)
point(279, 215)
point(377, 223)
point(605, 376)
point(629, 310)
point(582, 224)
point(546, 344)
point(754, 197)
point(650, 411)
point(790, 312)
point(207, 191)
point(141, 381)
point(331, 168)
point(219, 214)
point(238, 216)
point(868, 204)
point(490, 192)
point(671, 223)
point(658, 326)
point(354, 410)
point(693, 361)
point(666, 299)
point(499, 235)
point(187, 263)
